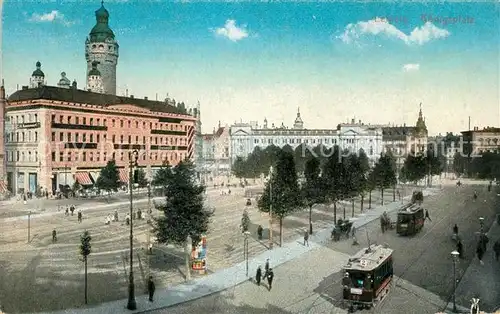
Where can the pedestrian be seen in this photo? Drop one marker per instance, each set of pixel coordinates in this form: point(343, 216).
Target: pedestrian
point(79, 216)
point(306, 238)
point(460, 249)
point(427, 215)
point(151, 288)
point(72, 209)
point(270, 277)
point(258, 275)
point(67, 211)
point(480, 253)
point(259, 232)
point(455, 229)
point(54, 236)
point(496, 249)
point(266, 268)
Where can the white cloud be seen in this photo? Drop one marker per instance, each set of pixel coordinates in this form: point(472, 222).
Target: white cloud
point(410, 67)
point(53, 16)
point(380, 26)
point(231, 31)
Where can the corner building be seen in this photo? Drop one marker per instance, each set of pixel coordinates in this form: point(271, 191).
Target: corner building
point(57, 136)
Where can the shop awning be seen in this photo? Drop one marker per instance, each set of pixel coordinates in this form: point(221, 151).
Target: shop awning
point(123, 174)
point(3, 187)
point(83, 178)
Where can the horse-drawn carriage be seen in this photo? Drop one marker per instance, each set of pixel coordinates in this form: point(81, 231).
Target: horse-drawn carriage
point(342, 228)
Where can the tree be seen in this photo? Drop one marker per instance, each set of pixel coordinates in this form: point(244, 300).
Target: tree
point(370, 186)
point(239, 168)
point(415, 167)
point(433, 164)
point(85, 250)
point(459, 163)
point(364, 166)
point(141, 179)
point(357, 177)
point(332, 174)
point(163, 177)
point(109, 179)
point(312, 189)
point(184, 214)
point(285, 190)
point(384, 174)
point(245, 221)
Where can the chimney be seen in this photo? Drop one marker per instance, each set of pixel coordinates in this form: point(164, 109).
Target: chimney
point(132, 96)
point(145, 98)
point(126, 92)
point(74, 85)
point(359, 121)
point(352, 121)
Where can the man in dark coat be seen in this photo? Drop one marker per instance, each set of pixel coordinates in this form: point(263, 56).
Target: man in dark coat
point(270, 277)
point(54, 236)
point(259, 232)
point(480, 253)
point(306, 238)
point(151, 288)
point(266, 268)
point(258, 275)
point(496, 249)
point(460, 249)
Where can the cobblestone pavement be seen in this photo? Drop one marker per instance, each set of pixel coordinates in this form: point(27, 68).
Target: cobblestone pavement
point(33, 275)
point(305, 285)
point(424, 260)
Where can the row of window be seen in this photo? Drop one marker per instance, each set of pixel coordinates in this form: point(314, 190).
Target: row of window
point(22, 156)
point(306, 141)
point(89, 138)
point(114, 123)
point(96, 156)
point(22, 137)
point(22, 119)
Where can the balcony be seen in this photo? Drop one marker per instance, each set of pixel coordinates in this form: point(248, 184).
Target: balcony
point(78, 127)
point(167, 132)
point(81, 145)
point(158, 147)
point(129, 146)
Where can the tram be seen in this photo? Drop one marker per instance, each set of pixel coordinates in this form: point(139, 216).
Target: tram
point(367, 277)
point(410, 220)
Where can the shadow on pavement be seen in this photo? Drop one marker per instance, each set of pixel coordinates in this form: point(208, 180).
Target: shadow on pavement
point(330, 289)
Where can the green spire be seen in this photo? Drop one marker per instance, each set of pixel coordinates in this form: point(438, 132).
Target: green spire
point(101, 31)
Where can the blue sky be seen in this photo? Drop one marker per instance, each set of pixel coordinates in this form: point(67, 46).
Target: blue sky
point(247, 61)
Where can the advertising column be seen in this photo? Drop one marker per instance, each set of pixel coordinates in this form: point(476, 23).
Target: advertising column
point(199, 256)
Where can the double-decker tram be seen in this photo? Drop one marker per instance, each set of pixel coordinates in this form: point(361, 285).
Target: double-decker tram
point(410, 220)
point(367, 277)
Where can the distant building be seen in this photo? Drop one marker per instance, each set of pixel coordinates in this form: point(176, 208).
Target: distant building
point(217, 151)
point(478, 141)
point(245, 137)
point(446, 146)
point(3, 158)
point(403, 140)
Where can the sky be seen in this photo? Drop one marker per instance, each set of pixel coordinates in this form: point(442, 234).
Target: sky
point(246, 61)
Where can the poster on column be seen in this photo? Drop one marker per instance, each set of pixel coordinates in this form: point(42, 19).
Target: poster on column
point(199, 255)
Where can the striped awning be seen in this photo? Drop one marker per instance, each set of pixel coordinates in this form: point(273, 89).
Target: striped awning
point(3, 187)
point(83, 178)
point(123, 174)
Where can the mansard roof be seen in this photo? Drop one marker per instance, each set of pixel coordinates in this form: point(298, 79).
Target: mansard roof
point(397, 132)
point(86, 97)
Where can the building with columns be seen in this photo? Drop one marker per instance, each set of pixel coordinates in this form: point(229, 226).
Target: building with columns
point(478, 141)
point(3, 160)
point(58, 135)
point(354, 136)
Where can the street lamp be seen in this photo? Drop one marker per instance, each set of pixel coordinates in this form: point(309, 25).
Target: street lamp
point(481, 222)
point(454, 256)
point(271, 207)
point(245, 249)
point(133, 156)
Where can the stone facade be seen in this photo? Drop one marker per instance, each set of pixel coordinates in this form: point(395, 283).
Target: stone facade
point(51, 140)
point(478, 141)
point(102, 47)
point(354, 136)
point(3, 159)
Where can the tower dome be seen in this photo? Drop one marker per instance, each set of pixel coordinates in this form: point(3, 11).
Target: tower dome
point(298, 124)
point(38, 71)
point(64, 82)
point(101, 31)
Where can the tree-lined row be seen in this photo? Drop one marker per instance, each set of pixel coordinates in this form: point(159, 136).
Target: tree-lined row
point(340, 176)
point(418, 166)
point(486, 166)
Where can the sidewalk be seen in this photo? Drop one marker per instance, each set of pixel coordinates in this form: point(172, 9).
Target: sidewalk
point(481, 281)
point(234, 275)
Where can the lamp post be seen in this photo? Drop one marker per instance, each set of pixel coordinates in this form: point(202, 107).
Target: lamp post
point(271, 207)
point(245, 249)
point(481, 223)
point(133, 156)
point(454, 256)
point(29, 226)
